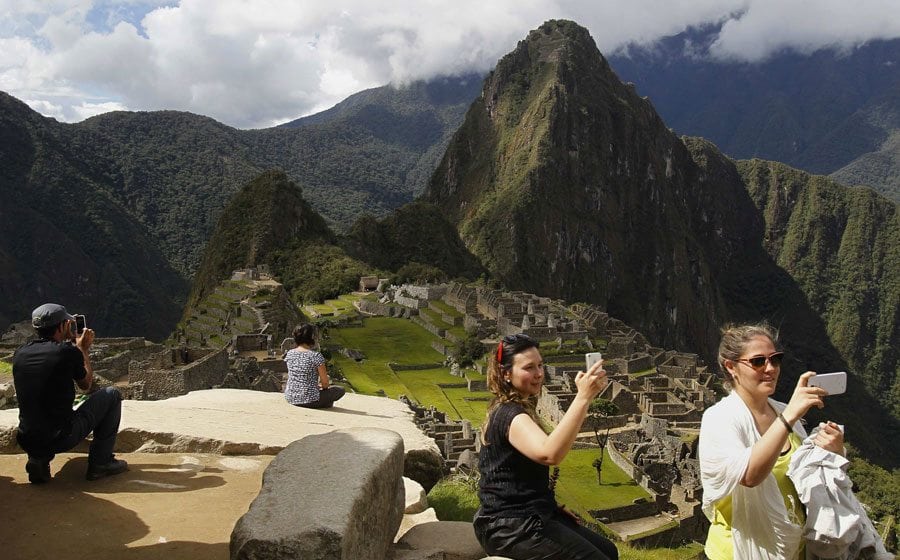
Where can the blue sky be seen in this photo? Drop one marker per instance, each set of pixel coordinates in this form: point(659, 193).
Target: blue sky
point(255, 63)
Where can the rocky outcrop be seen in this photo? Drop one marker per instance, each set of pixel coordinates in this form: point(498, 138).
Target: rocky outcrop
point(332, 496)
point(242, 422)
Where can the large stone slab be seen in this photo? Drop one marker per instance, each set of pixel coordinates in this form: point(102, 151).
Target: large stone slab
point(241, 422)
point(332, 496)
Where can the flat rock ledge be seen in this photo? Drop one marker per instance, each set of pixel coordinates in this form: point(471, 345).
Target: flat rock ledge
point(332, 496)
point(240, 422)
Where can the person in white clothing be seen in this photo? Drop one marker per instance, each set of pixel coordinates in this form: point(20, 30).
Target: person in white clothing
point(746, 442)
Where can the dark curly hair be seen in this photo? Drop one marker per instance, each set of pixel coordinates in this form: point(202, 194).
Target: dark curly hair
point(499, 364)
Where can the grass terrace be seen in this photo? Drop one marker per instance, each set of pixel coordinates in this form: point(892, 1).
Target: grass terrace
point(446, 308)
point(435, 318)
point(384, 340)
point(343, 305)
point(577, 486)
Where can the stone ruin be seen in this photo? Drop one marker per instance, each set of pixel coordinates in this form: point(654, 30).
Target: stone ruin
point(176, 371)
point(655, 390)
point(252, 302)
point(453, 438)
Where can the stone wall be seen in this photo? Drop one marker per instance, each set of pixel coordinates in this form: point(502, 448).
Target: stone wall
point(411, 302)
point(640, 508)
point(383, 309)
point(177, 372)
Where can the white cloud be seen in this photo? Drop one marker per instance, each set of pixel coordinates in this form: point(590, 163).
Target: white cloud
point(768, 26)
point(254, 63)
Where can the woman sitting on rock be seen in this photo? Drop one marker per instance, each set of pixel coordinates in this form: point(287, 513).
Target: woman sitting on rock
point(519, 517)
point(307, 384)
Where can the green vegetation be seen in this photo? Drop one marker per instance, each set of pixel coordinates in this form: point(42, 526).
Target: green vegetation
point(455, 498)
point(334, 308)
point(830, 243)
point(5, 368)
point(385, 340)
point(877, 488)
point(577, 487)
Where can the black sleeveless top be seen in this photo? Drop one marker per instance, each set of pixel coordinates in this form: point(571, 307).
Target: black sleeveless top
point(512, 485)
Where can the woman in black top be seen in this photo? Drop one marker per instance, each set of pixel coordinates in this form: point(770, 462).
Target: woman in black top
point(519, 517)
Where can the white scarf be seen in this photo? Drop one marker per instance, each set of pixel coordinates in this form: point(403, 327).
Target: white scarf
point(760, 526)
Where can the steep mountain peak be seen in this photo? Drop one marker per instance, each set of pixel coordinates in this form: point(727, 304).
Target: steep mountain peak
point(267, 214)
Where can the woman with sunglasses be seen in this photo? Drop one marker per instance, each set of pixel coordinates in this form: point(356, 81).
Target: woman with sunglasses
point(519, 517)
point(745, 447)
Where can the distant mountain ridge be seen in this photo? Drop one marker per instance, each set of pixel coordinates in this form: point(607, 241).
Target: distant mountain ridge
point(825, 112)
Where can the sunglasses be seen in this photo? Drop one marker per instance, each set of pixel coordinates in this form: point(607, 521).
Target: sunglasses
point(759, 362)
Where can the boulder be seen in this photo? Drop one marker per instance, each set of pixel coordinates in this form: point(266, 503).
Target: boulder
point(332, 496)
point(410, 520)
point(456, 539)
point(424, 467)
point(416, 500)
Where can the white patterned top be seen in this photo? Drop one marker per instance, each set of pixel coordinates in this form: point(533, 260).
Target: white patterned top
point(303, 376)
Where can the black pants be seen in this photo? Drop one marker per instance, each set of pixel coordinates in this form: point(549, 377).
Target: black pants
point(100, 413)
point(549, 537)
point(327, 396)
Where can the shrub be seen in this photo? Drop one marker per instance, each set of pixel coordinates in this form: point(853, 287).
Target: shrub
point(455, 498)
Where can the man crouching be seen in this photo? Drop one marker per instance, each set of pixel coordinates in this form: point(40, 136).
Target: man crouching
point(43, 371)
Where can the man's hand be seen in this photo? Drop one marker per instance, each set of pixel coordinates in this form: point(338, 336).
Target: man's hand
point(86, 339)
point(84, 343)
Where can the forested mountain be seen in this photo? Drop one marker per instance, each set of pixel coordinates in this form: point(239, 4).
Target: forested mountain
point(831, 111)
point(563, 181)
point(149, 187)
point(66, 237)
point(269, 222)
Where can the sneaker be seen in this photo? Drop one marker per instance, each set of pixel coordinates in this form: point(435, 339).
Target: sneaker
point(38, 470)
point(115, 466)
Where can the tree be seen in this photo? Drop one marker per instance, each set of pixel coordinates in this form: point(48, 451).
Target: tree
point(598, 411)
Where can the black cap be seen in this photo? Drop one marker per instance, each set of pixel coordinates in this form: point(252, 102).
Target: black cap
point(48, 315)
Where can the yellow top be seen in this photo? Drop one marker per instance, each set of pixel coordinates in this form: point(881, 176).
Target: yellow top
point(718, 541)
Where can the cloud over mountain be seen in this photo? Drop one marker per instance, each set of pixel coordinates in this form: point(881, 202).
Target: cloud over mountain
point(254, 64)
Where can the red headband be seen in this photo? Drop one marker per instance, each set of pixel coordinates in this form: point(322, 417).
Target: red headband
point(500, 353)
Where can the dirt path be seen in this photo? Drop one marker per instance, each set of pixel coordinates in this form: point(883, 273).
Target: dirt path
point(173, 506)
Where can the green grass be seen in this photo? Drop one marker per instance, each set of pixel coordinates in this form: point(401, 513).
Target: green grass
point(447, 308)
point(343, 305)
point(637, 374)
point(435, 318)
point(577, 486)
point(470, 410)
point(389, 339)
point(384, 340)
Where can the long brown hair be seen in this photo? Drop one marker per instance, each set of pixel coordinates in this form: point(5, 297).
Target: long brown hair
point(499, 365)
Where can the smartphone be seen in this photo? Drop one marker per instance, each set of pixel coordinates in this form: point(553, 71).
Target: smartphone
point(80, 324)
point(835, 383)
point(590, 359)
